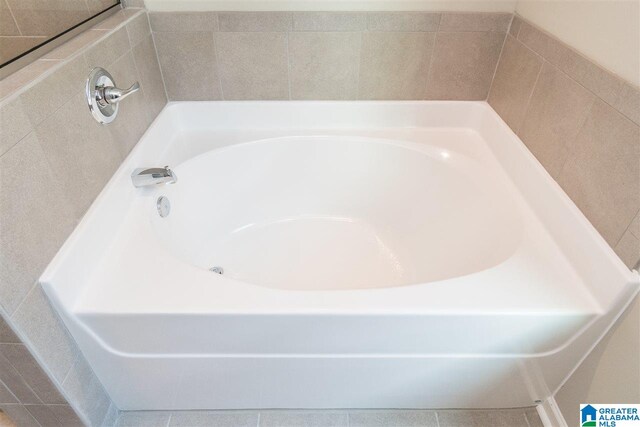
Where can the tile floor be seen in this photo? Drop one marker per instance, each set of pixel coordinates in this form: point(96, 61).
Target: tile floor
point(522, 417)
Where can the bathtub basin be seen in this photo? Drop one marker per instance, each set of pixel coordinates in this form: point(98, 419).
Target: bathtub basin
point(374, 255)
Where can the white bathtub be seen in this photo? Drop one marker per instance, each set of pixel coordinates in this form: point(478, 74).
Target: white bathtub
point(375, 255)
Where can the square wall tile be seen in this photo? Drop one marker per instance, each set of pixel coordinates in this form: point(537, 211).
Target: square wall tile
point(404, 21)
point(67, 416)
point(138, 29)
point(394, 65)
point(20, 415)
point(514, 28)
point(14, 124)
point(44, 415)
point(44, 329)
point(22, 360)
point(8, 26)
point(133, 118)
point(634, 227)
point(602, 174)
point(463, 65)
point(6, 333)
point(389, 418)
point(144, 419)
point(253, 65)
point(329, 21)
point(76, 44)
point(106, 51)
point(14, 382)
point(214, 419)
point(188, 63)
point(86, 391)
point(535, 39)
point(6, 396)
point(557, 110)
point(533, 417)
point(39, 18)
point(115, 20)
point(514, 81)
point(628, 249)
point(16, 81)
point(183, 21)
point(254, 21)
point(144, 54)
point(628, 102)
point(324, 65)
point(290, 418)
point(601, 82)
point(32, 205)
point(82, 152)
point(43, 99)
point(479, 418)
point(475, 22)
point(111, 418)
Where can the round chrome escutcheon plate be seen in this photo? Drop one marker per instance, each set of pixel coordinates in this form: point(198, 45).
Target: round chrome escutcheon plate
point(103, 112)
point(163, 205)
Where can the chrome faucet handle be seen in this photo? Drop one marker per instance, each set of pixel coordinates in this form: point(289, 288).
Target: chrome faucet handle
point(103, 96)
point(113, 95)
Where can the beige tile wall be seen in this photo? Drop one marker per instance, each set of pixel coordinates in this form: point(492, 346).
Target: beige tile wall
point(54, 160)
point(27, 23)
point(582, 123)
point(328, 55)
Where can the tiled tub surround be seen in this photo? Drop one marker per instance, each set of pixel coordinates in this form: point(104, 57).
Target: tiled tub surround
point(54, 160)
point(25, 24)
point(328, 55)
point(582, 123)
point(532, 62)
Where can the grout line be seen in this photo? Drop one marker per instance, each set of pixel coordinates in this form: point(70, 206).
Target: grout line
point(147, 103)
point(517, 34)
point(359, 63)
point(24, 37)
point(75, 361)
point(437, 419)
point(288, 64)
point(30, 346)
point(430, 67)
point(15, 21)
point(155, 48)
point(217, 58)
point(528, 104)
point(495, 70)
point(15, 310)
point(433, 52)
point(258, 421)
point(32, 416)
point(10, 391)
point(627, 229)
point(571, 141)
point(27, 383)
point(590, 61)
point(169, 419)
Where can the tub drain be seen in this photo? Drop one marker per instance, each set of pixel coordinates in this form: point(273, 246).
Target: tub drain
point(217, 270)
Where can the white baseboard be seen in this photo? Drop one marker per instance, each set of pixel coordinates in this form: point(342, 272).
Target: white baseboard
point(550, 414)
